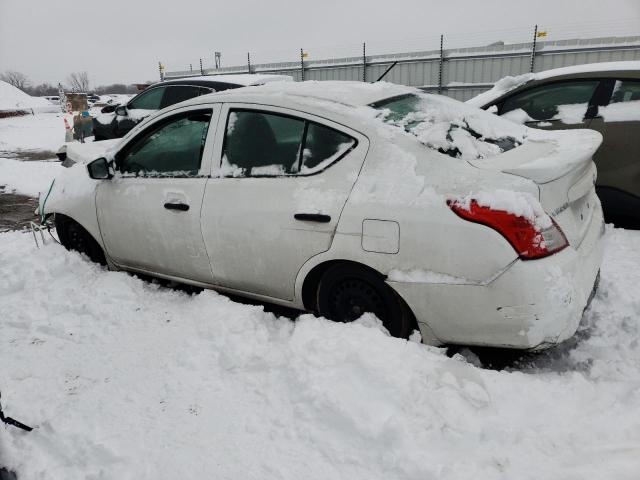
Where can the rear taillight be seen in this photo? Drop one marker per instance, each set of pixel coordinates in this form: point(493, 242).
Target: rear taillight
point(529, 241)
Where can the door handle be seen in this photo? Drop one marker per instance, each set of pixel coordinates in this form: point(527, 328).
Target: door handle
point(183, 207)
point(313, 217)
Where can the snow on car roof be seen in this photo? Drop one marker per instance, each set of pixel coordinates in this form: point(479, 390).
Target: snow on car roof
point(509, 83)
point(349, 93)
point(245, 79)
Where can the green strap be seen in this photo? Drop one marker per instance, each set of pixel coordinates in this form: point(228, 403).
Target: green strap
point(44, 204)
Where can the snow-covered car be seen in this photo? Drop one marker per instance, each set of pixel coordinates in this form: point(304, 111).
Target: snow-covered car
point(344, 198)
point(116, 120)
point(601, 96)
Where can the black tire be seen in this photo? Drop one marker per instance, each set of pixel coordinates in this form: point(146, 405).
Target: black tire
point(74, 237)
point(346, 291)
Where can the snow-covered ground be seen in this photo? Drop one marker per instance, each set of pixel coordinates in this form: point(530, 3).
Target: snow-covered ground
point(27, 178)
point(42, 131)
point(127, 379)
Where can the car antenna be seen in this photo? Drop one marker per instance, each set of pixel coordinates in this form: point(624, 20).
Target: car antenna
point(386, 71)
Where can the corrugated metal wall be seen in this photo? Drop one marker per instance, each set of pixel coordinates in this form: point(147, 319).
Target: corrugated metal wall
point(466, 72)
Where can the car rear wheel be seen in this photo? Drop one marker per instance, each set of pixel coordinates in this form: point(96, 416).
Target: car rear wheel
point(347, 291)
point(74, 237)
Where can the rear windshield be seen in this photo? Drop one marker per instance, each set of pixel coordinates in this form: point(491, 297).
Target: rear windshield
point(451, 127)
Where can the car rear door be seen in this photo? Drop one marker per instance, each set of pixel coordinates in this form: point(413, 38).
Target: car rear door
point(618, 159)
point(275, 200)
point(178, 93)
point(149, 213)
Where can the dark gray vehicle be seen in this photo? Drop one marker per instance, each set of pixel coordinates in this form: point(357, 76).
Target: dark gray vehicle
point(116, 120)
point(600, 96)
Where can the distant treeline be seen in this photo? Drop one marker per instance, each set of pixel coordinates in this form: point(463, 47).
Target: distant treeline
point(46, 89)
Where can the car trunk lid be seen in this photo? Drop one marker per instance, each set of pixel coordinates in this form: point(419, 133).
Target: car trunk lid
point(561, 165)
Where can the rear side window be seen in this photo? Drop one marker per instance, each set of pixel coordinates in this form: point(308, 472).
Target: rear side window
point(259, 144)
point(179, 93)
point(625, 91)
point(545, 102)
point(172, 148)
point(149, 100)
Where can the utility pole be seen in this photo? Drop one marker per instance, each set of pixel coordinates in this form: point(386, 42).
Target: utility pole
point(364, 62)
point(249, 62)
point(302, 65)
point(440, 64)
point(161, 70)
point(201, 70)
point(533, 48)
point(217, 56)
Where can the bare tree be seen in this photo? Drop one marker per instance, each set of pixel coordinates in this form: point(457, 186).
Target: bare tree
point(16, 79)
point(79, 82)
point(42, 90)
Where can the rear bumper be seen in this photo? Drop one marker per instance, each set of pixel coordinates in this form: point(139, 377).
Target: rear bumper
point(532, 305)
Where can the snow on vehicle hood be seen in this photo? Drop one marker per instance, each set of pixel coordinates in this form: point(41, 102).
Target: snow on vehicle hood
point(86, 152)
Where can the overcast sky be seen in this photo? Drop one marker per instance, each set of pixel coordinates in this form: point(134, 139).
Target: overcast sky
point(123, 40)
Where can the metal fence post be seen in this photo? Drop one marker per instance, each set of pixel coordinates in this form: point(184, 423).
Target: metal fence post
point(440, 64)
point(201, 70)
point(249, 62)
point(533, 48)
point(302, 65)
point(364, 62)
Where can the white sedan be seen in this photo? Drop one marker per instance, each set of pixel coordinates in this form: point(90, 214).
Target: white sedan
point(343, 198)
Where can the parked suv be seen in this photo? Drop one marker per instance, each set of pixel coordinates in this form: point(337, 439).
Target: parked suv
point(600, 96)
point(116, 121)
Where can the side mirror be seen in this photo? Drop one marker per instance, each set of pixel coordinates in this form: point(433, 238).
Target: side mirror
point(108, 109)
point(121, 110)
point(99, 169)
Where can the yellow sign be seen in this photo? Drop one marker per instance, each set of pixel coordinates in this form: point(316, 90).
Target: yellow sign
point(305, 55)
point(542, 34)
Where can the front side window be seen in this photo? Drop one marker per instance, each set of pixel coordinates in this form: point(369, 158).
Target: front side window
point(172, 148)
point(179, 93)
point(554, 101)
point(261, 144)
point(149, 100)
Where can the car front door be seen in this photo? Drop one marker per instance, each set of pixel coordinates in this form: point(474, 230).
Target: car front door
point(140, 107)
point(276, 199)
point(149, 212)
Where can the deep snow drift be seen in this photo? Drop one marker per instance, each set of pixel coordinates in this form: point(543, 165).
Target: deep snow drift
point(13, 99)
point(125, 379)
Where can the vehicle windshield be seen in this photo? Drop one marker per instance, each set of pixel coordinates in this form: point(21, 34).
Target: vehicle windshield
point(451, 127)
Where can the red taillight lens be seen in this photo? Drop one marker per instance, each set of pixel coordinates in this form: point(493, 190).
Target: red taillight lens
point(530, 242)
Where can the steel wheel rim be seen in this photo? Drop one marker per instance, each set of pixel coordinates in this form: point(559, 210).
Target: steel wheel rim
point(351, 297)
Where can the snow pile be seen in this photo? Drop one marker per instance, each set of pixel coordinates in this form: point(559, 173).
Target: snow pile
point(27, 178)
point(520, 204)
point(501, 87)
point(13, 99)
point(125, 379)
point(454, 128)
